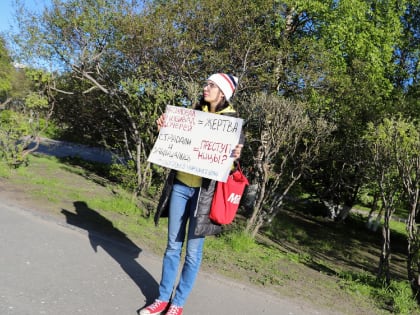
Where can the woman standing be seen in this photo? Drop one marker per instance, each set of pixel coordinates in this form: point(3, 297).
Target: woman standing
point(188, 197)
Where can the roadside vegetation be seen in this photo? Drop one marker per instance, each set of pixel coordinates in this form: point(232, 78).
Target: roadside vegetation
point(302, 255)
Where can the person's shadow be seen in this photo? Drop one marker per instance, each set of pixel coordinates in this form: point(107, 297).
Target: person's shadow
point(102, 233)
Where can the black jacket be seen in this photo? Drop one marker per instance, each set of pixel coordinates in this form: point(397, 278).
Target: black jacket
point(204, 225)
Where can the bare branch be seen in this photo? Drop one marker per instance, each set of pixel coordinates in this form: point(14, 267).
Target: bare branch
point(61, 91)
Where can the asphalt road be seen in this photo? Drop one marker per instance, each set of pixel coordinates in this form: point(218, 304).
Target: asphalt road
point(56, 268)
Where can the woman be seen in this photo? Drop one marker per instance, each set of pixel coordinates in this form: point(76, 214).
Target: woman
point(188, 197)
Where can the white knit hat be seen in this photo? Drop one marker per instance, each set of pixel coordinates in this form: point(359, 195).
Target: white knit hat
point(226, 82)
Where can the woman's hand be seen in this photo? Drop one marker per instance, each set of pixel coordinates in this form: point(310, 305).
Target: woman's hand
point(236, 152)
point(160, 121)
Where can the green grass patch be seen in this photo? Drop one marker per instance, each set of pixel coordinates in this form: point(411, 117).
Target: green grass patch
point(396, 298)
point(238, 255)
point(5, 171)
point(118, 204)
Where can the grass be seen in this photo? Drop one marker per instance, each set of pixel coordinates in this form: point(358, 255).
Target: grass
point(300, 256)
point(397, 297)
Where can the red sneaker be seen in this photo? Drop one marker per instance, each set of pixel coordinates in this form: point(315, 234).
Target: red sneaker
point(157, 308)
point(174, 310)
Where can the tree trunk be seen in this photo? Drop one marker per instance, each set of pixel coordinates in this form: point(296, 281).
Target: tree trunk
point(252, 221)
point(383, 270)
point(344, 213)
point(413, 261)
point(257, 226)
point(138, 164)
point(262, 180)
point(374, 206)
point(410, 172)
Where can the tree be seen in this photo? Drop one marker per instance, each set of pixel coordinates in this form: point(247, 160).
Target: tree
point(284, 140)
point(340, 59)
point(162, 46)
point(407, 59)
point(26, 93)
point(406, 143)
point(6, 70)
point(83, 39)
point(28, 117)
point(406, 56)
point(383, 141)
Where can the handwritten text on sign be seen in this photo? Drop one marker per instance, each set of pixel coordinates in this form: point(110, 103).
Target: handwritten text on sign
point(197, 142)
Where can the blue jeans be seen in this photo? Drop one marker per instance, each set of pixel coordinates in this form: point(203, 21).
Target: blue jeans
point(179, 215)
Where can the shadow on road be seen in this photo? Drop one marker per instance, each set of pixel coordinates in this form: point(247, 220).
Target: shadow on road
point(116, 243)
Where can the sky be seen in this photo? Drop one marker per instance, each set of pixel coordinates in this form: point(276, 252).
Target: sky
point(7, 9)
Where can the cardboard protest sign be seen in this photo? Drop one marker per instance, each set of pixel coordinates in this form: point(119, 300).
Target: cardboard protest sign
point(197, 142)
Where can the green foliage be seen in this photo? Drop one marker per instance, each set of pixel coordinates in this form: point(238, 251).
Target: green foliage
point(340, 56)
point(34, 100)
point(87, 25)
point(392, 142)
point(13, 127)
point(49, 129)
point(365, 197)
point(5, 70)
point(286, 140)
point(125, 174)
point(397, 298)
point(402, 296)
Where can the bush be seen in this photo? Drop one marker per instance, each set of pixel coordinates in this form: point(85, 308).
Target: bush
point(13, 127)
point(125, 175)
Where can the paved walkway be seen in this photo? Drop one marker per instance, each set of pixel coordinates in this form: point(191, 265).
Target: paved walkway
point(48, 267)
point(68, 149)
